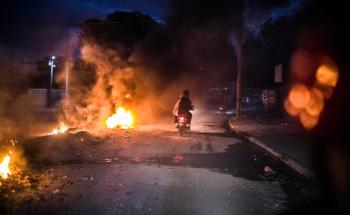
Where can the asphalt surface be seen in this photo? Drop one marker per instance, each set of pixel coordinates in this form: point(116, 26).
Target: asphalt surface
point(153, 170)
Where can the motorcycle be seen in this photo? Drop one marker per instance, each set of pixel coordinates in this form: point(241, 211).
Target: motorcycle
point(183, 124)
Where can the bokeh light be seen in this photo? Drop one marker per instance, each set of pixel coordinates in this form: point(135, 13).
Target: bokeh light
point(316, 103)
point(299, 96)
point(291, 109)
point(327, 75)
point(307, 102)
point(307, 120)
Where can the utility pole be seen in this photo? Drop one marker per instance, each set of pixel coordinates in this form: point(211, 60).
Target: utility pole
point(67, 66)
point(238, 48)
point(52, 65)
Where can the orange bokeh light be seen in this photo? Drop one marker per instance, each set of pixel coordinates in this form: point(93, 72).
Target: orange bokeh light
point(299, 96)
point(307, 102)
point(307, 120)
point(316, 103)
point(327, 74)
point(290, 108)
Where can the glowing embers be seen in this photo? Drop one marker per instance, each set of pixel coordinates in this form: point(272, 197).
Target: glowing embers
point(122, 118)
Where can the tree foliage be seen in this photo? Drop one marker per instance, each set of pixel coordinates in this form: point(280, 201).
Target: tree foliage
point(120, 31)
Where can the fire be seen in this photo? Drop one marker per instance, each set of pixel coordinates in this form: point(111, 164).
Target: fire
point(4, 167)
point(122, 118)
point(60, 130)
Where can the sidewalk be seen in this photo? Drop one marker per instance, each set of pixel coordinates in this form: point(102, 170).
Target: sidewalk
point(284, 140)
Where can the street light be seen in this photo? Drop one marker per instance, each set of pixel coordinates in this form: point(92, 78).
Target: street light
point(52, 65)
point(49, 94)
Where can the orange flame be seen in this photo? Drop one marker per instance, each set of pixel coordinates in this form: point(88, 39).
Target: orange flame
point(60, 130)
point(122, 118)
point(4, 167)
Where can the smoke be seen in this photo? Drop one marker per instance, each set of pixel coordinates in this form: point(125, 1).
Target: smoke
point(110, 82)
point(16, 119)
point(147, 71)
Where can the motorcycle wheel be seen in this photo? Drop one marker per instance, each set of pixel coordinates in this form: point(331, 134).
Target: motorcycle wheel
point(181, 130)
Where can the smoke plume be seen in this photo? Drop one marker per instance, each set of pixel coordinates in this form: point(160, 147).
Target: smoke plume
point(145, 65)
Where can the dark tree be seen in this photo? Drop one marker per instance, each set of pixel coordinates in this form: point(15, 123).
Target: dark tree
point(120, 31)
point(273, 45)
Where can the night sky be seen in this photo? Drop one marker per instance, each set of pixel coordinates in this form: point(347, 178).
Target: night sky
point(42, 25)
point(40, 28)
point(75, 11)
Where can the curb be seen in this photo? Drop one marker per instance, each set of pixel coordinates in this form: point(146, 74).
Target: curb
point(279, 155)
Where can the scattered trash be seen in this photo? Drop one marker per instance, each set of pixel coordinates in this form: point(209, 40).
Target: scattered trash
point(268, 170)
point(85, 178)
point(56, 191)
point(136, 159)
point(107, 160)
point(178, 158)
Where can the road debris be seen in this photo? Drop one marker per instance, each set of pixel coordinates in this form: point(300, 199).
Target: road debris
point(269, 171)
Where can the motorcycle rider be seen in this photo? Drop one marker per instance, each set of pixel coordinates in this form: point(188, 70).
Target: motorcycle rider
point(183, 106)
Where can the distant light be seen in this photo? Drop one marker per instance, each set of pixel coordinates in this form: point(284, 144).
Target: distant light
point(53, 57)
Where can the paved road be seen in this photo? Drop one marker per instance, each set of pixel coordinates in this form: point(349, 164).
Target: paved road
point(152, 170)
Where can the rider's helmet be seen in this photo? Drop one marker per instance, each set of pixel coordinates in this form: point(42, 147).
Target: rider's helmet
point(186, 93)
